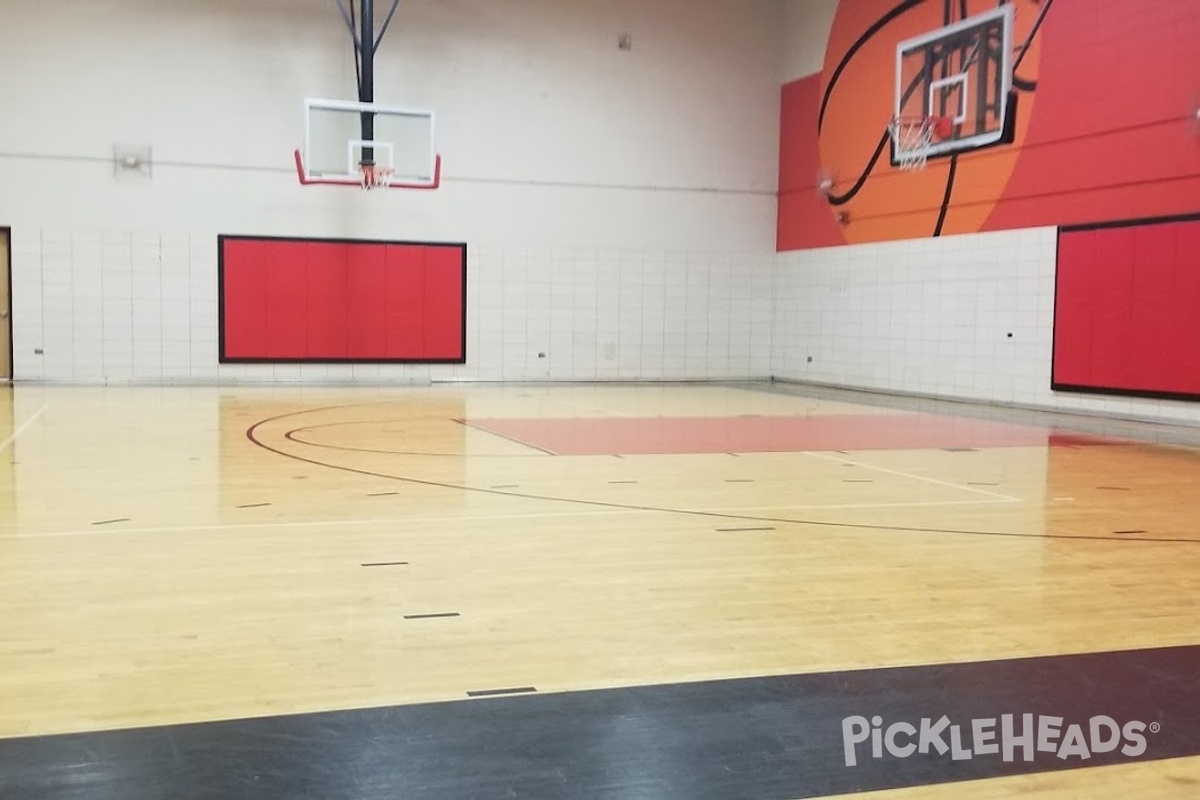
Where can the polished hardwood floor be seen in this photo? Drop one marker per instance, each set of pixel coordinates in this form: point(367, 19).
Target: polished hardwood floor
point(177, 555)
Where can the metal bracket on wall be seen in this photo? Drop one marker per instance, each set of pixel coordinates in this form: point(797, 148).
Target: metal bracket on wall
point(133, 160)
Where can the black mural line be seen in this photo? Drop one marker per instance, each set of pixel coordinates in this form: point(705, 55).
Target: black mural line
point(840, 199)
point(858, 45)
point(1033, 32)
point(1021, 84)
point(941, 220)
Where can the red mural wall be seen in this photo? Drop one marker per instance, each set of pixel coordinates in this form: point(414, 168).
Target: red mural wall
point(1125, 309)
point(1105, 125)
point(297, 300)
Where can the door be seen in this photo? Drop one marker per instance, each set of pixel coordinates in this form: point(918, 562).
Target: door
point(5, 307)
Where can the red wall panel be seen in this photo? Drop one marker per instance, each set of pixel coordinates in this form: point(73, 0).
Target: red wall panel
point(804, 219)
point(327, 300)
point(244, 324)
point(405, 292)
point(1125, 305)
point(287, 300)
point(318, 300)
point(366, 322)
point(444, 290)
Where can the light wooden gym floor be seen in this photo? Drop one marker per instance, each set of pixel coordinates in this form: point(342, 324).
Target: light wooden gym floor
point(179, 555)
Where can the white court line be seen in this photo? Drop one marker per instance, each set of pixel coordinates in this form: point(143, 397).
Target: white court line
point(470, 519)
point(841, 460)
point(5, 444)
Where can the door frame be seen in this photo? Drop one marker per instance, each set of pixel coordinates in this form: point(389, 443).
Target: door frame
point(8, 320)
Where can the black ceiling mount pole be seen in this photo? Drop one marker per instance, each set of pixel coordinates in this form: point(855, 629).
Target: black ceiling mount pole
point(366, 81)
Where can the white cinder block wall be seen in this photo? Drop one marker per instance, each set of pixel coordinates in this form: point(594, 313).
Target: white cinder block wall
point(964, 317)
point(619, 205)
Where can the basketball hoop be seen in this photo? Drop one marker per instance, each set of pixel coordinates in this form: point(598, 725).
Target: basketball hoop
point(375, 177)
point(913, 137)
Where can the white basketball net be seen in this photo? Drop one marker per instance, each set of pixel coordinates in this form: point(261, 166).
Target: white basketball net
point(375, 177)
point(913, 137)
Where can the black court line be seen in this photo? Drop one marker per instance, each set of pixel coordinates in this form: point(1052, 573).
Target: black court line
point(293, 435)
point(1114, 488)
point(970, 483)
point(739, 480)
point(622, 481)
point(1127, 532)
point(735, 455)
point(771, 738)
point(857, 480)
point(254, 505)
point(466, 424)
point(385, 564)
point(960, 449)
point(433, 616)
point(382, 494)
point(507, 486)
point(252, 435)
point(502, 692)
point(110, 521)
point(740, 530)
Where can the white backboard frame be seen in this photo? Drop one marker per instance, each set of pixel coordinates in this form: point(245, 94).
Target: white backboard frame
point(1004, 14)
point(352, 176)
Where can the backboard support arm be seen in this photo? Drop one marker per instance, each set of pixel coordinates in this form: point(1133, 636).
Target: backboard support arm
point(349, 18)
point(386, 24)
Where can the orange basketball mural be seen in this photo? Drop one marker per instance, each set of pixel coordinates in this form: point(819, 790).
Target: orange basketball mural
point(1041, 121)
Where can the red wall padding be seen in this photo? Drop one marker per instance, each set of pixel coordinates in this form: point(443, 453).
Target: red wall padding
point(1125, 309)
point(312, 300)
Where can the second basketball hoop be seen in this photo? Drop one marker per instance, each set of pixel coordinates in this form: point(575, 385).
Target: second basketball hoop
point(913, 139)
